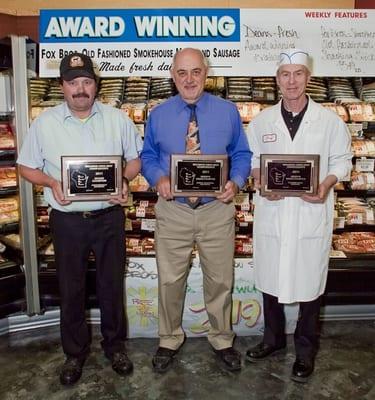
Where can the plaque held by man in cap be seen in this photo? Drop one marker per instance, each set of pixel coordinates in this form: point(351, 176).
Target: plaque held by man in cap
point(86, 178)
point(198, 175)
point(289, 175)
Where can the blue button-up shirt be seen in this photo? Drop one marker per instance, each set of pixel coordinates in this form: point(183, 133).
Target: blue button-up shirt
point(220, 132)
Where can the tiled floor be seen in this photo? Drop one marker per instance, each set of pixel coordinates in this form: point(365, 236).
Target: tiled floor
point(345, 369)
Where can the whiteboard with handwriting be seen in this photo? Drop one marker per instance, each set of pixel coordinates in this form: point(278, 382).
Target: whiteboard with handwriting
point(341, 42)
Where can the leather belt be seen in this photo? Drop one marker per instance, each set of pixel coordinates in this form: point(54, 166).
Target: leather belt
point(95, 213)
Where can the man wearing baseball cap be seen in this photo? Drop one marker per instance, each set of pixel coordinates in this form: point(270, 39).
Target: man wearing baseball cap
point(292, 234)
point(76, 65)
point(82, 126)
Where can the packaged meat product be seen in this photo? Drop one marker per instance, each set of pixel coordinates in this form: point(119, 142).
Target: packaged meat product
point(248, 110)
point(9, 217)
point(8, 204)
point(6, 137)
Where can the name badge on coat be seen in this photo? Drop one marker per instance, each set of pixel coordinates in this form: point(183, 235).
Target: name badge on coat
point(269, 137)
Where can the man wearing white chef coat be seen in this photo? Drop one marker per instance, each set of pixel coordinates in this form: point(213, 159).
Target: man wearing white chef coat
point(292, 235)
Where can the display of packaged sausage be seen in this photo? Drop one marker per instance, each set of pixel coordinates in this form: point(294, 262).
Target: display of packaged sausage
point(355, 242)
point(248, 110)
point(362, 181)
point(7, 141)
point(8, 177)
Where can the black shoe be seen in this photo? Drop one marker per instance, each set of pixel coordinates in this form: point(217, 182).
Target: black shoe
point(71, 370)
point(302, 369)
point(163, 359)
point(230, 357)
point(121, 363)
point(261, 350)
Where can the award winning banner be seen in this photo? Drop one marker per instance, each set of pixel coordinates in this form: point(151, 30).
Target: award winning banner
point(142, 301)
point(237, 42)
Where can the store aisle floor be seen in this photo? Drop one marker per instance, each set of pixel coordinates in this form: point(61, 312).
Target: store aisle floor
point(30, 362)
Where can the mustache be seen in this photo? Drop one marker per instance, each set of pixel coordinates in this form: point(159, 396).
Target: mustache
point(81, 95)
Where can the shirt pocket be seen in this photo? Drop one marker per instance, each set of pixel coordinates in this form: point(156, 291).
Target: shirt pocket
point(107, 146)
point(267, 221)
point(312, 221)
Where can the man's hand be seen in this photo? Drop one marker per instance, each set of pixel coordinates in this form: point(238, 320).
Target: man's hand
point(320, 197)
point(58, 193)
point(163, 188)
point(123, 198)
point(255, 173)
point(323, 190)
point(230, 190)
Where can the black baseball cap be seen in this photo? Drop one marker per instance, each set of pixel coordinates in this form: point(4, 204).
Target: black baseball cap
point(75, 65)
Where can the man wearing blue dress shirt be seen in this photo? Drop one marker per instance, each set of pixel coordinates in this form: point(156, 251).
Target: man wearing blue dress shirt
point(208, 224)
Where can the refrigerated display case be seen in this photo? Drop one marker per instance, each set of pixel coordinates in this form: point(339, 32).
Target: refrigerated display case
point(18, 268)
point(349, 282)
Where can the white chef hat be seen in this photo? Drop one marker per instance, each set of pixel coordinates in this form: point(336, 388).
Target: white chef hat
point(294, 56)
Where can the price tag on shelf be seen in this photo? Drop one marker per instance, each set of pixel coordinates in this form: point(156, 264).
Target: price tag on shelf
point(248, 217)
point(364, 164)
point(128, 224)
point(337, 254)
point(247, 248)
point(242, 200)
point(338, 223)
point(140, 212)
point(355, 218)
point(144, 203)
point(369, 216)
point(355, 129)
point(148, 224)
point(133, 242)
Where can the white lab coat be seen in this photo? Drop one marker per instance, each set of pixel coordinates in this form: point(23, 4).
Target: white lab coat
point(292, 237)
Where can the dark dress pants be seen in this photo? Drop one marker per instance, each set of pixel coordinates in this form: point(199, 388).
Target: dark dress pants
point(306, 334)
point(74, 237)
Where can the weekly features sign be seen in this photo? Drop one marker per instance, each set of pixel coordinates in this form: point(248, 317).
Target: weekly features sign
point(341, 42)
point(142, 42)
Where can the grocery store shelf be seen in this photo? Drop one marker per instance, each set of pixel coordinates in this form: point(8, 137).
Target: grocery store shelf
point(353, 261)
point(8, 157)
point(9, 228)
point(355, 193)
point(356, 228)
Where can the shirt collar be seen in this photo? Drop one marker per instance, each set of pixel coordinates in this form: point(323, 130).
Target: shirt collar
point(201, 104)
point(300, 114)
point(67, 113)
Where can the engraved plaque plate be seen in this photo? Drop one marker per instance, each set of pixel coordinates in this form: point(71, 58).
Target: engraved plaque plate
point(289, 174)
point(198, 174)
point(91, 177)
